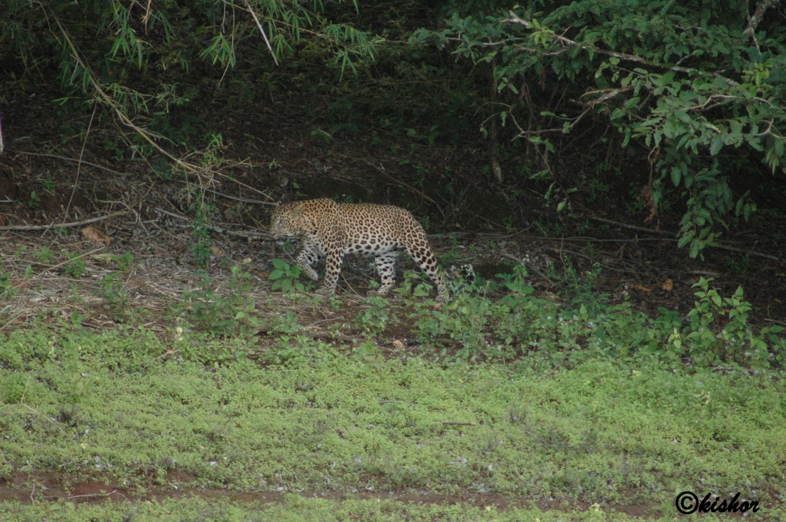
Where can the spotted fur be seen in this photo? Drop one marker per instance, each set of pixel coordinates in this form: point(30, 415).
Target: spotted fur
point(331, 230)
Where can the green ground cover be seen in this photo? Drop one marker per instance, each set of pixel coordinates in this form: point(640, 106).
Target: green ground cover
point(293, 509)
point(130, 409)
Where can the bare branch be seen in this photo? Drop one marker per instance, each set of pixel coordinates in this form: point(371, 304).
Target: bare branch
point(261, 30)
point(758, 16)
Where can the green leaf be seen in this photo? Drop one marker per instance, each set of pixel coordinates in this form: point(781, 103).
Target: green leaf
point(676, 176)
point(683, 116)
point(736, 128)
point(280, 264)
point(716, 146)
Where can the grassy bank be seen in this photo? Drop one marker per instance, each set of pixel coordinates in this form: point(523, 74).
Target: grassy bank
point(127, 408)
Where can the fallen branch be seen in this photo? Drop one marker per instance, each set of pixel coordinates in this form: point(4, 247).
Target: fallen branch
point(61, 225)
point(663, 233)
point(265, 236)
point(631, 227)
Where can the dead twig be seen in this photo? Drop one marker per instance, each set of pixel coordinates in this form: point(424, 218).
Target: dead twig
point(747, 252)
point(261, 30)
point(79, 163)
point(27, 228)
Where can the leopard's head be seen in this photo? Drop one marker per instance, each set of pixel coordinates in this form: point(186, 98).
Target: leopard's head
point(289, 221)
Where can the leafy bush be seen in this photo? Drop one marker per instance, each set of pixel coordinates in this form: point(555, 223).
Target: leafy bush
point(210, 311)
point(719, 333)
point(698, 84)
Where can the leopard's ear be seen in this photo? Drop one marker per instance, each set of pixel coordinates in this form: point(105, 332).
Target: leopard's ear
point(297, 210)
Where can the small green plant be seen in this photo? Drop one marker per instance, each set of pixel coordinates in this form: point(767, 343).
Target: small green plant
point(596, 188)
point(414, 285)
point(200, 246)
point(163, 170)
point(215, 146)
point(465, 321)
point(454, 254)
point(285, 277)
point(76, 266)
point(579, 289)
point(739, 264)
point(710, 309)
point(375, 317)
point(510, 224)
point(516, 282)
point(34, 200)
point(322, 135)
point(6, 290)
point(123, 262)
point(114, 297)
point(222, 315)
point(45, 256)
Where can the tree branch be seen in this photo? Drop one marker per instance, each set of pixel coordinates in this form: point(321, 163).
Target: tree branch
point(758, 15)
point(514, 18)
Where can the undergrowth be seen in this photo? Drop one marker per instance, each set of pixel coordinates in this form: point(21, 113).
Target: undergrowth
point(510, 395)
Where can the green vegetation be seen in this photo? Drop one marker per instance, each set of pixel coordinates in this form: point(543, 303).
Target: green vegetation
point(558, 404)
point(285, 277)
point(295, 508)
point(698, 85)
point(208, 310)
point(514, 397)
point(694, 90)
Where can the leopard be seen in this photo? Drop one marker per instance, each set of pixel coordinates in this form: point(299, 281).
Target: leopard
point(329, 230)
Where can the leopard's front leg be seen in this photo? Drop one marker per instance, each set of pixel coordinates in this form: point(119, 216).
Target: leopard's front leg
point(332, 270)
point(308, 258)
